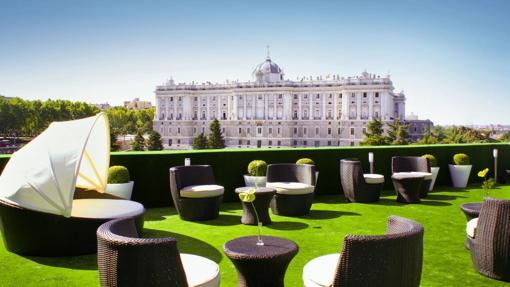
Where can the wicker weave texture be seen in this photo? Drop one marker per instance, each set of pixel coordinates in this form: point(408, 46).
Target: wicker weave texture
point(490, 249)
point(393, 260)
point(353, 182)
point(194, 208)
point(126, 260)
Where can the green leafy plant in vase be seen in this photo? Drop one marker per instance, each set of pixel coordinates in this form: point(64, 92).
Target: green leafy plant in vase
point(249, 197)
point(488, 183)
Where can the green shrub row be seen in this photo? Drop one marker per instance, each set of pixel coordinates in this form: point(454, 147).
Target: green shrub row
point(149, 170)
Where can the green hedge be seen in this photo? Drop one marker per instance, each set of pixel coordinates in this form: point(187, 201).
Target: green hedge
point(149, 170)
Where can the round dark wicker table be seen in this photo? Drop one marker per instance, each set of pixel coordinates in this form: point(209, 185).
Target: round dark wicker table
point(408, 186)
point(471, 210)
point(259, 266)
point(263, 196)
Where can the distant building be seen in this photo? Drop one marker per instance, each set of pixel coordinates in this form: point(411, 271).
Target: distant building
point(103, 106)
point(272, 111)
point(136, 104)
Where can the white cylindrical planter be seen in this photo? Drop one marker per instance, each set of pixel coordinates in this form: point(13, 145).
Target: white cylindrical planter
point(459, 175)
point(122, 190)
point(434, 171)
point(259, 181)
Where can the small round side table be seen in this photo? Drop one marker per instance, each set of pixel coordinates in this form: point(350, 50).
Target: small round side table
point(471, 210)
point(260, 265)
point(263, 196)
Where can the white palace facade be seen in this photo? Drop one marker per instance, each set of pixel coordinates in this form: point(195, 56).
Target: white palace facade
point(271, 111)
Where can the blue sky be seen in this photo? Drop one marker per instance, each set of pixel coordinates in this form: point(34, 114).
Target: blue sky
point(452, 58)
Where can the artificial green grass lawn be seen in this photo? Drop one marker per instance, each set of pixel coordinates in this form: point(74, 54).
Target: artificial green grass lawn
point(445, 263)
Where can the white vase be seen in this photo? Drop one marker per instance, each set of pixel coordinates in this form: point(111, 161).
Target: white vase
point(459, 174)
point(434, 171)
point(122, 190)
point(259, 181)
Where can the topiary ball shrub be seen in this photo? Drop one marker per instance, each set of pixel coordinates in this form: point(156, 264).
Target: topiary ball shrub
point(257, 168)
point(305, 160)
point(432, 159)
point(461, 159)
point(118, 174)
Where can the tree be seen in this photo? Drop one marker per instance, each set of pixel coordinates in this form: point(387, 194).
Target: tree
point(114, 144)
point(374, 134)
point(398, 134)
point(139, 142)
point(154, 142)
point(428, 138)
point(215, 139)
point(200, 141)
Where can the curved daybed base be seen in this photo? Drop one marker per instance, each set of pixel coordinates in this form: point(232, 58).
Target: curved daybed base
point(35, 233)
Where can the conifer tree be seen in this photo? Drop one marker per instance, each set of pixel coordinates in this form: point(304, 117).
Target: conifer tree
point(154, 142)
point(139, 142)
point(375, 134)
point(215, 139)
point(200, 142)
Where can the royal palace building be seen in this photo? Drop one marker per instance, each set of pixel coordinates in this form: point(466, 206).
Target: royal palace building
point(271, 111)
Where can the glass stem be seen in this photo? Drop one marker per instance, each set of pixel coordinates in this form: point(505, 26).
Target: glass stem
point(259, 225)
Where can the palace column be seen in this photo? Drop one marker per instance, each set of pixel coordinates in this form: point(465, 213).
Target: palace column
point(310, 110)
point(335, 106)
point(323, 106)
point(244, 107)
point(370, 105)
point(358, 106)
point(299, 107)
point(266, 116)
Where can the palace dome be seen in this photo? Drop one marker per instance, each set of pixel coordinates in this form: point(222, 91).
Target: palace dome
point(267, 71)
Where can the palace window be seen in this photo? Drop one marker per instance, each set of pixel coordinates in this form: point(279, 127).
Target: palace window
point(377, 95)
point(248, 142)
point(260, 97)
point(306, 96)
point(171, 99)
point(279, 143)
point(178, 130)
point(340, 95)
point(248, 130)
point(240, 142)
point(195, 99)
point(259, 130)
point(352, 131)
point(329, 143)
point(295, 97)
point(318, 96)
point(339, 131)
point(305, 143)
point(304, 131)
point(364, 95)
point(270, 130)
point(364, 130)
point(278, 130)
point(180, 98)
point(329, 131)
point(295, 142)
point(240, 130)
point(316, 131)
point(295, 131)
point(178, 141)
point(330, 96)
point(280, 96)
point(270, 142)
point(353, 95)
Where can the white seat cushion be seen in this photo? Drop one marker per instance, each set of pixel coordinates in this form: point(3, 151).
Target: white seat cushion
point(320, 271)
point(200, 271)
point(471, 227)
point(202, 191)
point(372, 178)
point(105, 208)
point(292, 188)
point(426, 175)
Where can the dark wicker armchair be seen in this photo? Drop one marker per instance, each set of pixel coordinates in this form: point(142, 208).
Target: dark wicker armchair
point(392, 260)
point(359, 187)
point(490, 247)
point(294, 184)
point(200, 203)
point(124, 259)
point(414, 164)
